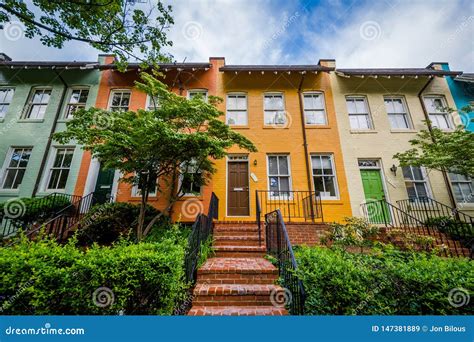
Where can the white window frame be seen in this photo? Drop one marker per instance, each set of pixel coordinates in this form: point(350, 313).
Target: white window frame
point(445, 115)
point(82, 105)
point(29, 105)
point(424, 181)
point(290, 186)
point(469, 198)
point(197, 91)
point(228, 110)
point(322, 110)
point(406, 112)
point(334, 175)
point(136, 192)
point(150, 105)
point(4, 105)
point(275, 111)
point(6, 166)
point(115, 91)
point(367, 114)
point(50, 167)
point(180, 183)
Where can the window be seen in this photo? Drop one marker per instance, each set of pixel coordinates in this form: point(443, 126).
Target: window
point(197, 92)
point(152, 102)
point(37, 104)
point(120, 100)
point(6, 95)
point(358, 113)
point(77, 100)
point(415, 182)
point(463, 188)
point(190, 179)
point(136, 191)
point(237, 109)
point(274, 109)
point(314, 109)
point(397, 113)
point(279, 179)
point(324, 176)
point(436, 112)
point(60, 167)
point(15, 169)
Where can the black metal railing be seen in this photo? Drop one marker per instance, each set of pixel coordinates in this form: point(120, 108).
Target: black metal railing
point(17, 214)
point(293, 205)
point(279, 246)
point(202, 230)
point(383, 212)
point(65, 221)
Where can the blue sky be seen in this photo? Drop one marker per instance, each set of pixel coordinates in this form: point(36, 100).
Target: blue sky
point(357, 33)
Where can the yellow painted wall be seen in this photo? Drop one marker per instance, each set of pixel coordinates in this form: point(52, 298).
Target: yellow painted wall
point(288, 140)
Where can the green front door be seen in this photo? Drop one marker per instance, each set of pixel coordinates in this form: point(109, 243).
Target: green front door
point(103, 187)
point(376, 210)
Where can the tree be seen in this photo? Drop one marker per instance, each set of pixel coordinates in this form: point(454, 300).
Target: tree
point(451, 151)
point(112, 26)
point(178, 135)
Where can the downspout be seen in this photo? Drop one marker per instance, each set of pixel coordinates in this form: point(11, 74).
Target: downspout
point(430, 128)
point(50, 138)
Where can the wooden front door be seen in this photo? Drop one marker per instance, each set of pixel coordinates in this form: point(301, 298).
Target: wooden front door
point(238, 189)
point(103, 187)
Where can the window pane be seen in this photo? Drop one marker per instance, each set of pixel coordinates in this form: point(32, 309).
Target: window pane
point(58, 160)
point(15, 159)
point(75, 96)
point(125, 99)
point(421, 189)
point(63, 179)
point(318, 184)
point(283, 165)
point(354, 121)
point(231, 102)
point(326, 165)
point(54, 178)
point(417, 173)
point(9, 178)
point(406, 170)
point(83, 97)
point(317, 167)
point(351, 108)
point(274, 183)
point(3, 110)
point(329, 183)
point(67, 158)
point(398, 106)
point(272, 165)
point(411, 190)
point(314, 117)
point(24, 158)
point(284, 184)
point(308, 102)
point(389, 106)
point(116, 99)
point(360, 106)
point(19, 178)
point(466, 190)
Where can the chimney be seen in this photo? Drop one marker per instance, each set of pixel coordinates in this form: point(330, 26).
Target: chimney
point(4, 57)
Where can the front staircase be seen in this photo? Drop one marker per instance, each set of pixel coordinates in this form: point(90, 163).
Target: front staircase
point(238, 281)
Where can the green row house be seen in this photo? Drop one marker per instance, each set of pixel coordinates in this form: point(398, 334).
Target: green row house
point(36, 100)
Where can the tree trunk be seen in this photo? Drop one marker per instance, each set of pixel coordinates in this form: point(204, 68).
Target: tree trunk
point(141, 217)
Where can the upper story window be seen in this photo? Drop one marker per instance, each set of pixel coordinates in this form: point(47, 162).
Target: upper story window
point(415, 182)
point(314, 112)
point(197, 92)
point(279, 177)
point(37, 103)
point(358, 112)
point(397, 112)
point(237, 109)
point(15, 167)
point(120, 100)
point(152, 102)
point(77, 100)
point(6, 95)
point(463, 187)
point(324, 176)
point(60, 167)
point(436, 107)
point(274, 109)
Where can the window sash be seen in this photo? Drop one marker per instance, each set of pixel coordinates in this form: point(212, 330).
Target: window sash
point(6, 96)
point(358, 110)
point(274, 109)
point(38, 103)
point(313, 106)
point(463, 188)
point(59, 170)
point(152, 102)
point(416, 182)
point(279, 179)
point(435, 107)
point(237, 110)
point(16, 168)
point(440, 121)
point(324, 174)
point(73, 104)
point(397, 113)
point(193, 93)
point(123, 100)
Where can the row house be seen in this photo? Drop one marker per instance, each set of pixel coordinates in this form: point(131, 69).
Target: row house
point(318, 130)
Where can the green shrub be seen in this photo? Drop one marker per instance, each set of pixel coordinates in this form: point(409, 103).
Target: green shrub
point(455, 229)
point(44, 278)
point(353, 232)
point(388, 282)
point(105, 223)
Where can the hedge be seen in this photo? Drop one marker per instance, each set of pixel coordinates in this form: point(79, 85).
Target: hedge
point(388, 282)
point(44, 278)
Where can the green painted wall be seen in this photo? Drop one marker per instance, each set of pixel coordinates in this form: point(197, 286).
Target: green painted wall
point(15, 131)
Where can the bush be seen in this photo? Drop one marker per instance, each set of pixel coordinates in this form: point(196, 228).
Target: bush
point(455, 229)
point(353, 232)
point(44, 278)
point(105, 223)
point(388, 282)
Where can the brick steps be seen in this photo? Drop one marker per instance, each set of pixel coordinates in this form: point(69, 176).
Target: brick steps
point(238, 281)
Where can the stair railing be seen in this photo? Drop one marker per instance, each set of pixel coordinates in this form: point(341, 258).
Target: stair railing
point(279, 246)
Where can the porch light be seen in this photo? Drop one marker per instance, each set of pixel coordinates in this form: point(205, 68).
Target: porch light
point(394, 169)
point(255, 162)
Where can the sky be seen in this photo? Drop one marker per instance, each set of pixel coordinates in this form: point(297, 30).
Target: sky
point(357, 33)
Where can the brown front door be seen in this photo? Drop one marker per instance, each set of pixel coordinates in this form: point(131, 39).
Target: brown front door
point(238, 189)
